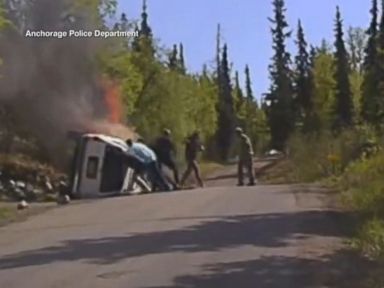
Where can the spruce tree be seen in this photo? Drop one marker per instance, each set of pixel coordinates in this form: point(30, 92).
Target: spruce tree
point(239, 96)
point(145, 30)
point(181, 59)
point(370, 83)
point(124, 24)
point(380, 69)
point(356, 45)
point(248, 85)
point(280, 110)
point(324, 48)
point(226, 118)
point(343, 109)
point(381, 29)
point(218, 56)
point(302, 81)
point(173, 58)
point(312, 55)
point(205, 71)
point(251, 104)
point(144, 43)
point(312, 121)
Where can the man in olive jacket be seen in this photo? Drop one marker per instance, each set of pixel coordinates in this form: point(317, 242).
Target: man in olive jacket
point(245, 155)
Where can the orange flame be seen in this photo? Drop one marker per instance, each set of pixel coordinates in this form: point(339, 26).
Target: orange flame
point(112, 97)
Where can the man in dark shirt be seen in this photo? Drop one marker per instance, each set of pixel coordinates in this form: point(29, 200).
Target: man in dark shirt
point(166, 150)
point(192, 147)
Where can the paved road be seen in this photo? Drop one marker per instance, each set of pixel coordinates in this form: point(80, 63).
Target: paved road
point(217, 237)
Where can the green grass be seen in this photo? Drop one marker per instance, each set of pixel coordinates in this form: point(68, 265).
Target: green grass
point(7, 214)
point(370, 238)
point(10, 214)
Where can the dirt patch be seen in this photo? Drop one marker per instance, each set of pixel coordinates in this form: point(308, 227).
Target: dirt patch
point(277, 173)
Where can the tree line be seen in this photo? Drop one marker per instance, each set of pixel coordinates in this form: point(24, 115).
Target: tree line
point(321, 88)
point(211, 101)
point(325, 88)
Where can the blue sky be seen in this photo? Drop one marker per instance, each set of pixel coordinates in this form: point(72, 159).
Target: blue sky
point(245, 27)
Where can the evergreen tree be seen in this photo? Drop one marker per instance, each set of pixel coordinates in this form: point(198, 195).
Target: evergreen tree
point(124, 24)
point(312, 55)
point(205, 70)
point(181, 59)
point(343, 109)
point(144, 43)
point(381, 28)
point(280, 112)
point(303, 82)
point(238, 95)
point(173, 60)
point(380, 69)
point(380, 32)
point(356, 43)
point(218, 56)
point(248, 85)
point(145, 30)
point(136, 27)
point(251, 107)
point(176, 59)
point(325, 47)
point(370, 83)
point(226, 120)
point(312, 119)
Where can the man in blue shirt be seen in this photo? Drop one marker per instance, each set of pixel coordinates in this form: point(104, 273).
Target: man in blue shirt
point(136, 165)
point(148, 157)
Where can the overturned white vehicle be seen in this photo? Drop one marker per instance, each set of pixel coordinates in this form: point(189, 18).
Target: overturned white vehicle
point(98, 171)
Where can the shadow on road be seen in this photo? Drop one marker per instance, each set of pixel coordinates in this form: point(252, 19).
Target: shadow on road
point(211, 234)
point(214, 234)
point(338, 270)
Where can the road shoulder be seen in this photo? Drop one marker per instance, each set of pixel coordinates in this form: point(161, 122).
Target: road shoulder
point(343, 266)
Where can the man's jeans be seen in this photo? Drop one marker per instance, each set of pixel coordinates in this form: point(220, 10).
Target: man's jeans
point(192, 165)
point(156, 177)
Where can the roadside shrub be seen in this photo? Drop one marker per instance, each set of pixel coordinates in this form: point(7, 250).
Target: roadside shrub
point(371, 239)
point(363, 185)
point(317, 156)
